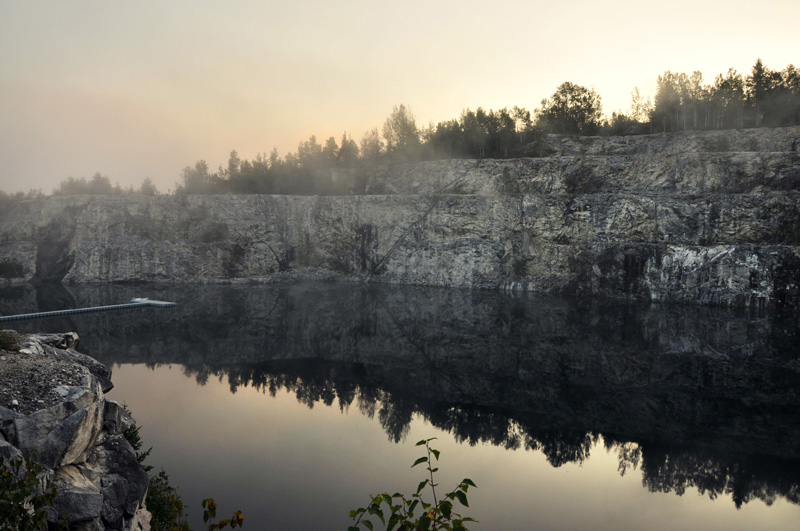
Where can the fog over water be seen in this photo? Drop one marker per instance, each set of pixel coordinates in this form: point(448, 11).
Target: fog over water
point(567, 413)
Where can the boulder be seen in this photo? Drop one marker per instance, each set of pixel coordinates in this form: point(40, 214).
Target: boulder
point(79, 440)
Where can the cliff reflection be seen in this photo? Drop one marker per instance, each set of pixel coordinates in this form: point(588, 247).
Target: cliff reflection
point(691, 397)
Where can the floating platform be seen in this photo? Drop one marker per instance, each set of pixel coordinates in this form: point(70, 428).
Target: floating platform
point(134, 303)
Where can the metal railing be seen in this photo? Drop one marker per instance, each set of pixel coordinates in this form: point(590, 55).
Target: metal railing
point(134, 303)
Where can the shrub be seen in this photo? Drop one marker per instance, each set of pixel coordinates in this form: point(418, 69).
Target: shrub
point(8, 341)
point(401, 510)
point(23, 496)
point(164, 503)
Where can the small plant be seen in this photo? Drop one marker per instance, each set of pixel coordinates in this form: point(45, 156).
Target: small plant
point(164, 504)
point(8, 341)
point(210, 512)
point(132, 436)
point(23, 497)
point(401, 510)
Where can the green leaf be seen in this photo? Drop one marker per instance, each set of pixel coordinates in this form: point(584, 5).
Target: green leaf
point(424, 523)
point(446, 508)
point(421, 443)
point(387, 499)
point(435, 453)
point(469, 482)
point(352, 528)
point(412, 506)
point(368, 525)
point(376, 510)
point(420, 461)
point(462, 498)
point(421, 486)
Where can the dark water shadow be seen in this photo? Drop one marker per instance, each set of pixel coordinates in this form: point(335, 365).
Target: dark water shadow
point(690, 396)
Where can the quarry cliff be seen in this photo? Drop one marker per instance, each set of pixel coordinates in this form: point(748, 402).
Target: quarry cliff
point(704, 217)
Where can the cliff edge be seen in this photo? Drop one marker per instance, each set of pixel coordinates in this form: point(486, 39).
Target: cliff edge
point(704, 217)
point(54, 403)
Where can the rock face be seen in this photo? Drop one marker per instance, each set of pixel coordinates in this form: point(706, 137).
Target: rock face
point(76, 432)
point(705, 217)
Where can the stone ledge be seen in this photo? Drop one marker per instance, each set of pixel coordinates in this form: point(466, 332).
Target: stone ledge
point(77, 432)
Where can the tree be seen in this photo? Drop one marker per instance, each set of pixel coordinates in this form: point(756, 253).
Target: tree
point(640, 109)
point(572, 109)
point(147, 187)
point(348, 152)
point(476, 133)
point(330, 153)
point(727, 97)
point(400, 132)
point(234, 163)
point(371, 146)
point(523, 125)
point(197, 180)
point(309, 153)
point(100, 184)
point(667, 108)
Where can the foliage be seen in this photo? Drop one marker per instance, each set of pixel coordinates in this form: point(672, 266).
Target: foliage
point(210, 513)
point(763, 98)
point(147, 187)
point(399, 511)
point(165, 505)
point(400, 132)
point(682, 102)
point(23, 496)
point(572, 109)
point(8, 341)
point(135, 440)
point(163, 501)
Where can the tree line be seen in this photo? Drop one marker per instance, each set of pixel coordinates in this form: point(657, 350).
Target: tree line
point(763, 98)
point(682, 102)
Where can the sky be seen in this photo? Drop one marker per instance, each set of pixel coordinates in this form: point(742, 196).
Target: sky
point(143, 89)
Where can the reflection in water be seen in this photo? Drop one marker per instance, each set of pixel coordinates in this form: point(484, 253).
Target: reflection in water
point(691, 397)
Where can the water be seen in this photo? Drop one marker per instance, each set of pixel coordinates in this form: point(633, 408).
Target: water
point(294, 402)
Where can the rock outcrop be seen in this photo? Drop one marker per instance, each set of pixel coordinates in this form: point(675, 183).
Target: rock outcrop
point(704, 217)
point(57, 409)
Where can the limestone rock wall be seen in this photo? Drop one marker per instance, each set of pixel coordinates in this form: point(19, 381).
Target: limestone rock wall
point(709, 217)
point(76, 433)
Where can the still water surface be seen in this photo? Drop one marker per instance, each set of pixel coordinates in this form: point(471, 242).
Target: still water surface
point(294, 402)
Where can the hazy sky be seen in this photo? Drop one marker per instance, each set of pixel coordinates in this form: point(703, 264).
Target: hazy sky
point(143, 89)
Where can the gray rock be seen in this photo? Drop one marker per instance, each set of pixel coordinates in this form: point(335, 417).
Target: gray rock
point(652, 208)
point(8, 452)
point(115, 419)
point(124, 483)
point(61, 433)
point(59, 341)
point(78, 503)
point(101, 484)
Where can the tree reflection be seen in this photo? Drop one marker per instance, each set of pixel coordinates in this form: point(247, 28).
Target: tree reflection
point(664, 468)
point(693, 398)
